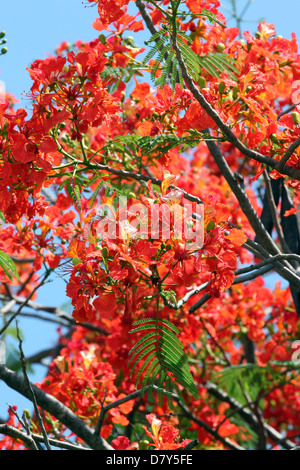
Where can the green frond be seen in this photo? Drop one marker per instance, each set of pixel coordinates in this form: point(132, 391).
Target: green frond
point(74, 192)
point(160, 355)
point(156, 35)
point(145, 364)
point(169, 324)
point(8, 266)
point(152, 371)
point(167, 69)
point(183, 35)
point(156, 372)
point(94, 178)
point(176, 73)
point(142, 340)
point(208, 66)
point(155, 49)
point(142, 354)
point(62, 185)
point(166, 344)
point(159, 61)
point(95, 193)
point(191, 59)
point(217, 63)
point(148, 344)
point(214, 64)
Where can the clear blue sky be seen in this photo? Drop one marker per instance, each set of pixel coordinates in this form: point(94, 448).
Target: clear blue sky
point(34, 28)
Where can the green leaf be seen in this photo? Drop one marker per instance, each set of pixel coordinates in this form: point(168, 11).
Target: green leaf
point(2, 217)
point(217, 63)
point(150, 359)
point(95, 193)
point(73, 189)
point(8, 266)
point(160, 356)
point(155, 49)
point(247, 377)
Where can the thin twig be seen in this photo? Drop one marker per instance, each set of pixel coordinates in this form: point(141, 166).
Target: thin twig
point(33, 398)
point(46, 275)
point(57, 409)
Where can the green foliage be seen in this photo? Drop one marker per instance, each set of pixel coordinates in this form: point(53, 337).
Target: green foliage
point(3, 41)
point(161, 358)
point(166, 61)
point(251, 379)
point(76, 183)
point(8, 266)
point(156, 146)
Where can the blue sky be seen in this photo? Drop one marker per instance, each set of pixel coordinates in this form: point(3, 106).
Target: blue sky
point(33, 30)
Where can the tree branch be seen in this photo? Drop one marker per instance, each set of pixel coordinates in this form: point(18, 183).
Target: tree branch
point(248, 415)
point(54, 407)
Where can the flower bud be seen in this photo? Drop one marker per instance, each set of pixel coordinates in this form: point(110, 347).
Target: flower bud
point(222, 88)
point(221, 46)
point(296, 118)
point(144, 445)
point(76, 261)
point(274, 139)
point(102, 38)
point(210, 226)
point(201, 82)
point(129, 40)
point(27, 413)
point(235, 91)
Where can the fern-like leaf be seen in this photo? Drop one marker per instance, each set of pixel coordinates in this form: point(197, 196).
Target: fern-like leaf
point(8, 266)
point(161, 359)
point(216, 63)
point(95, 193)
point(73, 189)
point(213, 64)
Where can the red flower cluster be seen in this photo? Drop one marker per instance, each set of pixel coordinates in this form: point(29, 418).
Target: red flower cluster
point(80, 180)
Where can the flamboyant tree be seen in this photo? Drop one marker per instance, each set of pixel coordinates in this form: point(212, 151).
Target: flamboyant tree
point(161, 182)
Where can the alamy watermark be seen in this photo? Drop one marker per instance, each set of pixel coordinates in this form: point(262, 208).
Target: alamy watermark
point(296, 353)
point(155, 221)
